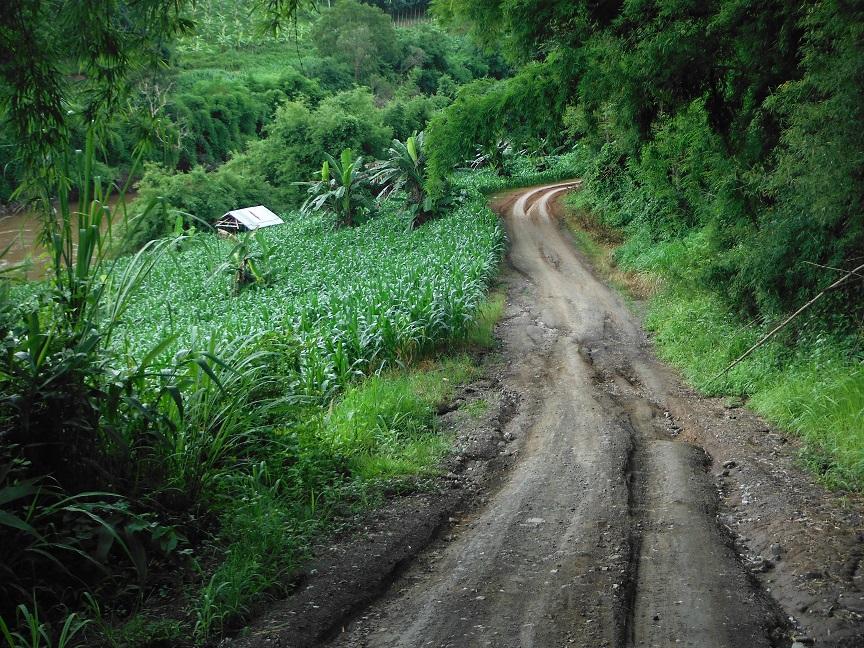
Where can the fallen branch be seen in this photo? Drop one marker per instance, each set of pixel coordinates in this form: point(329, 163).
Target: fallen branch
point(827, 267)
point(851, 273)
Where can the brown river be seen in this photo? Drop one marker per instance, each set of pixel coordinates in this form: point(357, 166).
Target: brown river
point(20, 230)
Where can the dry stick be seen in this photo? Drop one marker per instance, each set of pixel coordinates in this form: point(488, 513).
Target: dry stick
point(834, 285)
point(827, 267)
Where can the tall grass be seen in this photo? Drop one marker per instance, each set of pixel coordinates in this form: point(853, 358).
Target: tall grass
point(70, 411)
point(822, 399)
point(386, 426)
point(814, 388)
point(338, 459)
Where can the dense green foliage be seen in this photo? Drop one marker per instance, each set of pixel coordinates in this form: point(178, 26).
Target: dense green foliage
point(218, 117)
point(46, 43)
point(227, 80)
point(276, 123)
point(217, 392)
point(698, 117)
point(357, 36)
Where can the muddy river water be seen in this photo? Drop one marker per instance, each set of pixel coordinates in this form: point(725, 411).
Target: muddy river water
point(19, 230)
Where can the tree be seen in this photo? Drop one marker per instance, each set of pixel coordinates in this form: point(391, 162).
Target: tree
point(103, 43)
point(298, 134)
point(405, 168)
point(359, 35)
point(486, 112)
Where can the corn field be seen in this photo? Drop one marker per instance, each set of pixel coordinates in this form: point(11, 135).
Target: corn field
point(341, 302)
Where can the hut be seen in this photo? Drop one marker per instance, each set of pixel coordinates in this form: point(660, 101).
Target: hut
point(248, 219)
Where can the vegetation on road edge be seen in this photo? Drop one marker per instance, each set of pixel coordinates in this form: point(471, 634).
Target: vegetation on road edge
point(726, 147)
point(812, 385)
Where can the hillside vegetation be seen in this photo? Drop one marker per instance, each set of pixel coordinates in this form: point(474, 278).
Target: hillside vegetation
point(180, 424)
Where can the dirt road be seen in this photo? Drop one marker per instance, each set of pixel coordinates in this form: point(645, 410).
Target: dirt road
point(598, 502)
point(605, 532)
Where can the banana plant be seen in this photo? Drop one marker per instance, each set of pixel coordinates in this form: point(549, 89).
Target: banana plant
point(405, 168)
point(247, 263)
point(338, 189)
point(496, 155)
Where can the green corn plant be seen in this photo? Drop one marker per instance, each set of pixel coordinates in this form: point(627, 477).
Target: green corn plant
point(37, 634)
point(215, 406)
point(350, 300)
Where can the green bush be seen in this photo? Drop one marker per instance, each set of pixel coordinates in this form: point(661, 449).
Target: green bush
point(409, 116)
point(199, 197)
point(299, 135)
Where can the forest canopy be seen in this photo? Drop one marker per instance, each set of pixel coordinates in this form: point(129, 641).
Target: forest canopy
point(740, 121)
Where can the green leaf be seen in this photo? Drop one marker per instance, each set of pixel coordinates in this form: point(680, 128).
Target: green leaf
point(14, 522)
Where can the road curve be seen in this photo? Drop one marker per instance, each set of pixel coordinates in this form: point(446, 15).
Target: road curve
point(604, 533)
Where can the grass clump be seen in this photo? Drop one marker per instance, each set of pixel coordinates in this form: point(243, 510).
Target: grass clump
point(476, 408)
point(599, 244)
point(822, 400)
point(814, 388)
point(482, 332)
point(337, 461)
point(387, 426)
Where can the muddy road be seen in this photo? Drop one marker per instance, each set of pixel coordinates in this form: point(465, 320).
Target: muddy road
point(605, 532)
point(623, 509)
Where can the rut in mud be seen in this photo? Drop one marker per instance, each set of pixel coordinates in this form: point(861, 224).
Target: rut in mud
point(605, 531)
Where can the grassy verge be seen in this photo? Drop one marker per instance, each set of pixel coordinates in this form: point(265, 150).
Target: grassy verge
point(333, 460)
point(598, 243)
point(812, 385)
point(384, 432)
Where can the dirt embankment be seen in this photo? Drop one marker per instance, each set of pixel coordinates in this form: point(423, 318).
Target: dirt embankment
point(598, 502)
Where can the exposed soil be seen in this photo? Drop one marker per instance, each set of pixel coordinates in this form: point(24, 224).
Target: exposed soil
point(596, 502)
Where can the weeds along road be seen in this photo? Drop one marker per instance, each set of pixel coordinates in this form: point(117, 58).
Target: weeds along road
point(604, 533)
